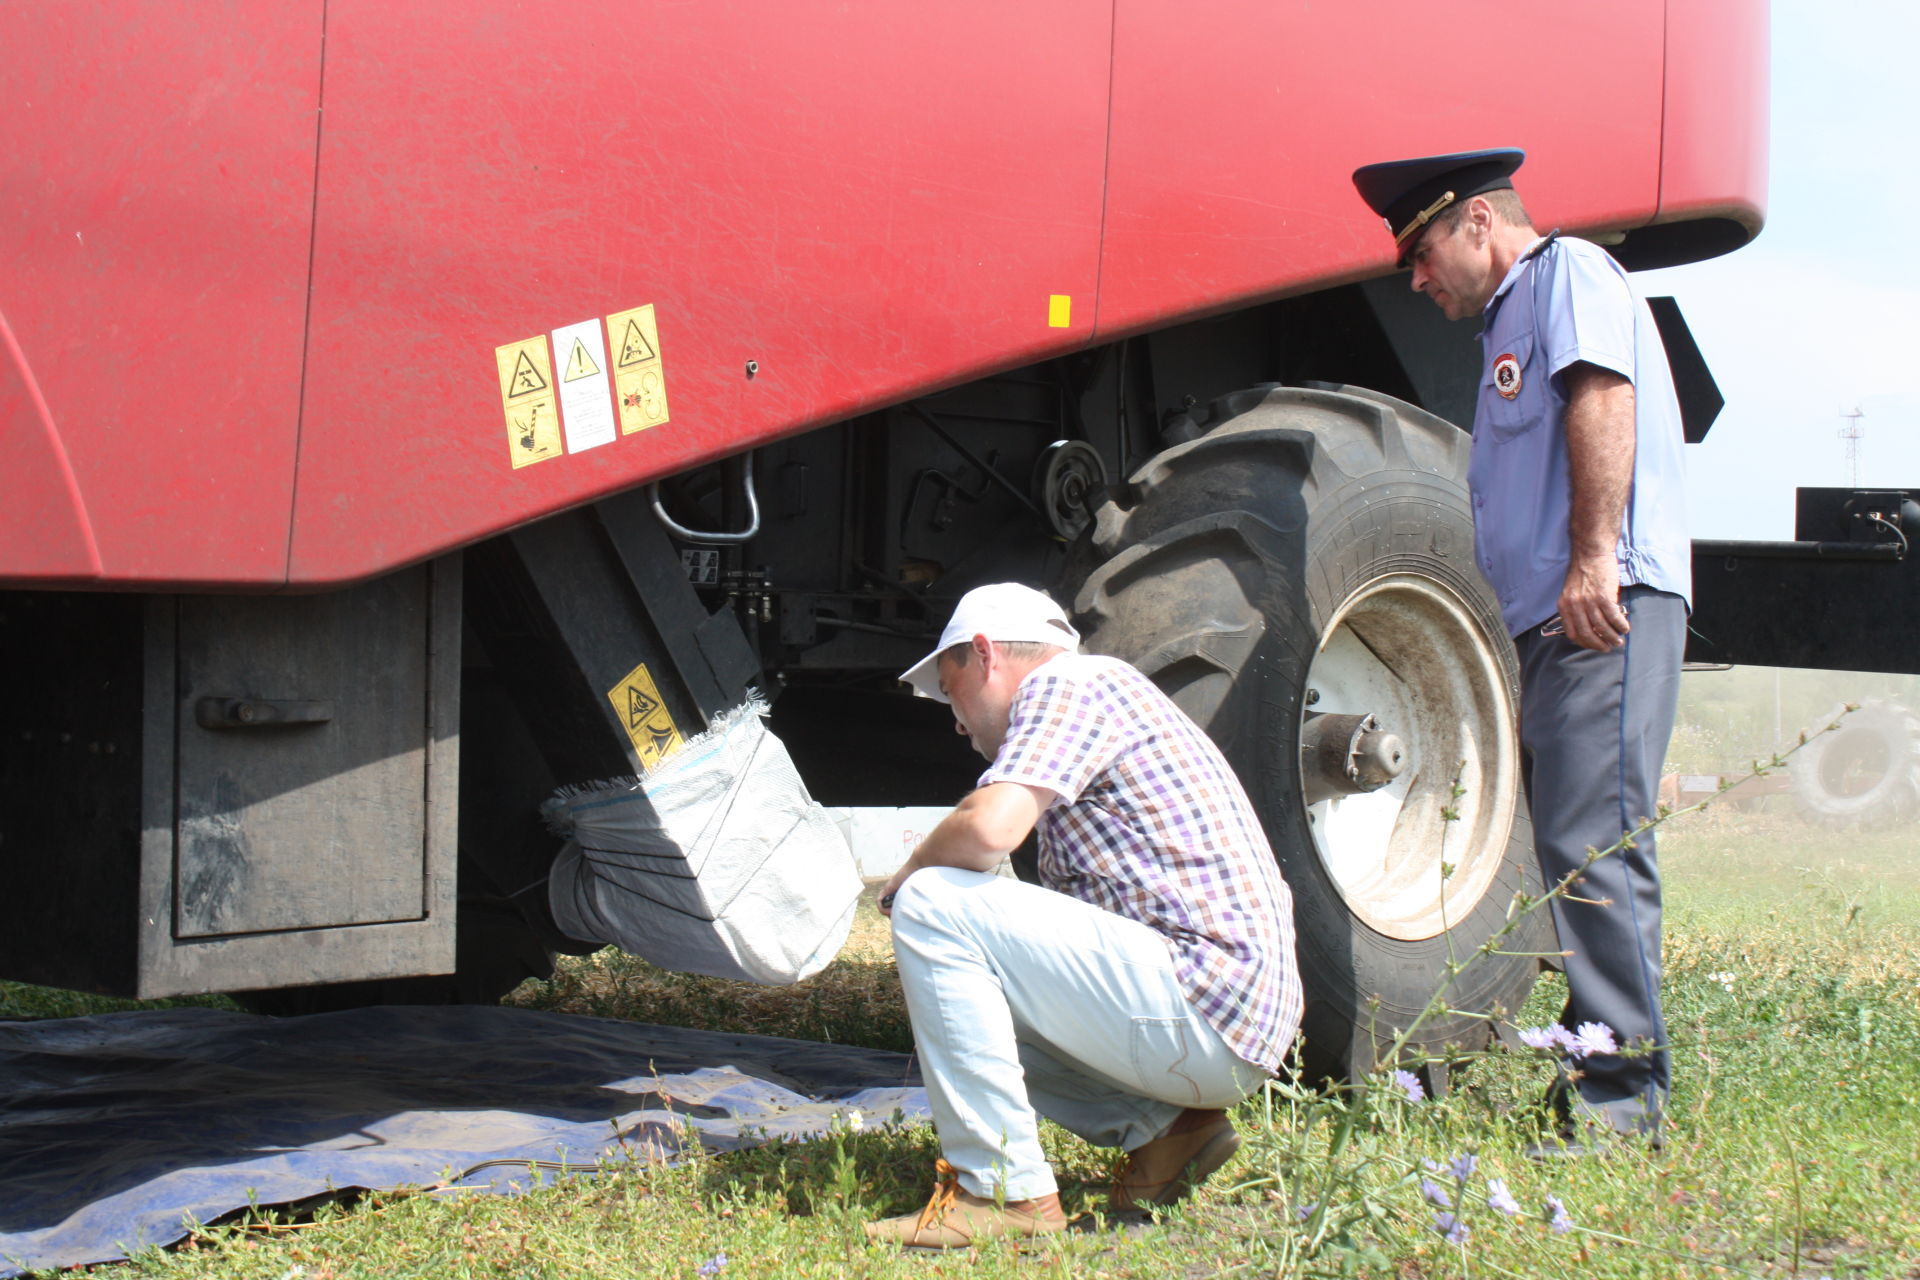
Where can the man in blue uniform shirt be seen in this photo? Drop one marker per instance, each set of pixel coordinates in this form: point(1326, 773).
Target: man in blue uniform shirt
point(1577, 494)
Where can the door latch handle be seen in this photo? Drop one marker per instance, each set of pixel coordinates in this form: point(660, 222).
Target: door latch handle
point(259, 713)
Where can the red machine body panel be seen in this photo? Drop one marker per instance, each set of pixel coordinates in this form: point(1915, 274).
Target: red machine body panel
point(265, 378)
point(1230, 174)
point(156, 203)
point(1714, 135)
point(862, 200)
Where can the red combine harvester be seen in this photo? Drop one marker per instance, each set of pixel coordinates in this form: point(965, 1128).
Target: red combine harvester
point(409, 408)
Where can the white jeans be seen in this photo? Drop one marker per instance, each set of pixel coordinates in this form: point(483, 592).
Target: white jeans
point(1025, 999)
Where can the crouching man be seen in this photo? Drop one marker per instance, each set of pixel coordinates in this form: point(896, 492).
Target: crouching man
point(1146, 988)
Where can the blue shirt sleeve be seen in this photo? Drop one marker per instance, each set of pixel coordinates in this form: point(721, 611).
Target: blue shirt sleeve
point(1588, 307)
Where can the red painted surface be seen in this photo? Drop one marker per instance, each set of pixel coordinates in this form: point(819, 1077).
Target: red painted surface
point(264, 376)
point(1715, 133)
point(41, 493)
point(156, 190)
point(864, 200)
point(1237, 126)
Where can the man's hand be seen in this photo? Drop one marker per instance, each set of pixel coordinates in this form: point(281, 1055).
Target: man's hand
point(982, 829)
point(1590, 604)
point(1600, 442)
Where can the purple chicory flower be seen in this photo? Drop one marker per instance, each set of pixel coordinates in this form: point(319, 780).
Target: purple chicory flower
point(1433, 1193)
point(1305, 1211)
point(1560, 1222)
point(711, 1267)
point(1593, 1037)
point(1462, 1167)
point(1410, 1084)
point(1556, 1037)
point(1451, 1227)
point(1431, 1166)
point(1541, 1037)
point(1499, 1198)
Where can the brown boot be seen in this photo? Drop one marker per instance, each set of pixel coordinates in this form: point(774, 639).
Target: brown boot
point(1169, 1168)
point(956, 1219)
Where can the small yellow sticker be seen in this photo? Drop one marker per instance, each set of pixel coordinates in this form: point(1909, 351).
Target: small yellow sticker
point(1059, 311)
point(643, 713)
point(639, 373)
point(526, 395)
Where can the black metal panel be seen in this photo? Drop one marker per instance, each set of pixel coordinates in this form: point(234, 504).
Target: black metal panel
point(1441, 358)
point(1857, 515)
point(554, 613)
point(143, 853)
point(567, 608)
point(1844, 598)
point(70, 738)
point(1669, 244)
point(1693, 384)
point(250, 834)
point(268, 816)
point(709, 655)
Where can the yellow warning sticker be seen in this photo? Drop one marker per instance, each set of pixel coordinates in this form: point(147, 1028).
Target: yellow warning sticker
point(526, 395)
point(637, 703)
point(1059, 311)
point(639, 374)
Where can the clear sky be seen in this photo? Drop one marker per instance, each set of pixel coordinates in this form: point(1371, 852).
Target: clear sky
point(1820, 314)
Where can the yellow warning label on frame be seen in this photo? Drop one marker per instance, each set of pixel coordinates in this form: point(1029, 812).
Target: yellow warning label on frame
point(639, 373)
point(526, 396)
point(637, 703)
point(1059, 311)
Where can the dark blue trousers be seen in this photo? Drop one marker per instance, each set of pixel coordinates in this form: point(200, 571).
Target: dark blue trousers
point(1594, 730)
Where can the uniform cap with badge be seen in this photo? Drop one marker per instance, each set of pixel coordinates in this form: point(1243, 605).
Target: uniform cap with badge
point(1409, 194)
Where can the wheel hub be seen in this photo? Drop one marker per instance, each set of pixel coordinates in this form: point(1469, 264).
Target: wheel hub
point(1411, 824)
point(1343, 755)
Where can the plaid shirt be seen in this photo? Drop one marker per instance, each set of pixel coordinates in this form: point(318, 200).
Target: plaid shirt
point(1151, 824)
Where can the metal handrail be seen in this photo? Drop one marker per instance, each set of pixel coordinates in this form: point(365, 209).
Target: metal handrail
point(685, 534)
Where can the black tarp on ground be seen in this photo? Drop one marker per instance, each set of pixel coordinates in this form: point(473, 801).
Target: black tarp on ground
point(115, 1129)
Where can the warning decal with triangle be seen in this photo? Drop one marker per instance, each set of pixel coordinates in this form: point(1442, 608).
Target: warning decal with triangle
point(639, 373)
point(613, 382)
point(586, 392)
point(526, 378)
point(526, 396)
point(634, 347)
point(579, 363)
point(649, 725)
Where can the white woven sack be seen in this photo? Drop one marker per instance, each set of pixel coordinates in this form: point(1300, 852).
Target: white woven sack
point(716, 861)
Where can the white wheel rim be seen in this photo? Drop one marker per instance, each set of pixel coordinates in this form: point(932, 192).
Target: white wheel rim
point(1408, 650)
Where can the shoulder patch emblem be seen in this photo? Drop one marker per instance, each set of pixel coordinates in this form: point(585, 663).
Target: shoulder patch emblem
point(1506, 375)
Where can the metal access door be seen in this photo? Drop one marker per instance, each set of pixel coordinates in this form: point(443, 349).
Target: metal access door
point(301, 764)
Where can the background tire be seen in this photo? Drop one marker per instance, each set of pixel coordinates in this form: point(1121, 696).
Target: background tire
point(1864, 774)
point(1308, 550)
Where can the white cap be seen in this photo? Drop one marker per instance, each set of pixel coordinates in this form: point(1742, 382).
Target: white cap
point(1003, 612)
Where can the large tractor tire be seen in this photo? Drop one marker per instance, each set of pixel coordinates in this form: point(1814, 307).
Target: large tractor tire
point(1865, 774)
point(1302, 561)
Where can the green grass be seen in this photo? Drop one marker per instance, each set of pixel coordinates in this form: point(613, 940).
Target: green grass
point(1794, 1148)
point(854, 1000)
point(24, 1000)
